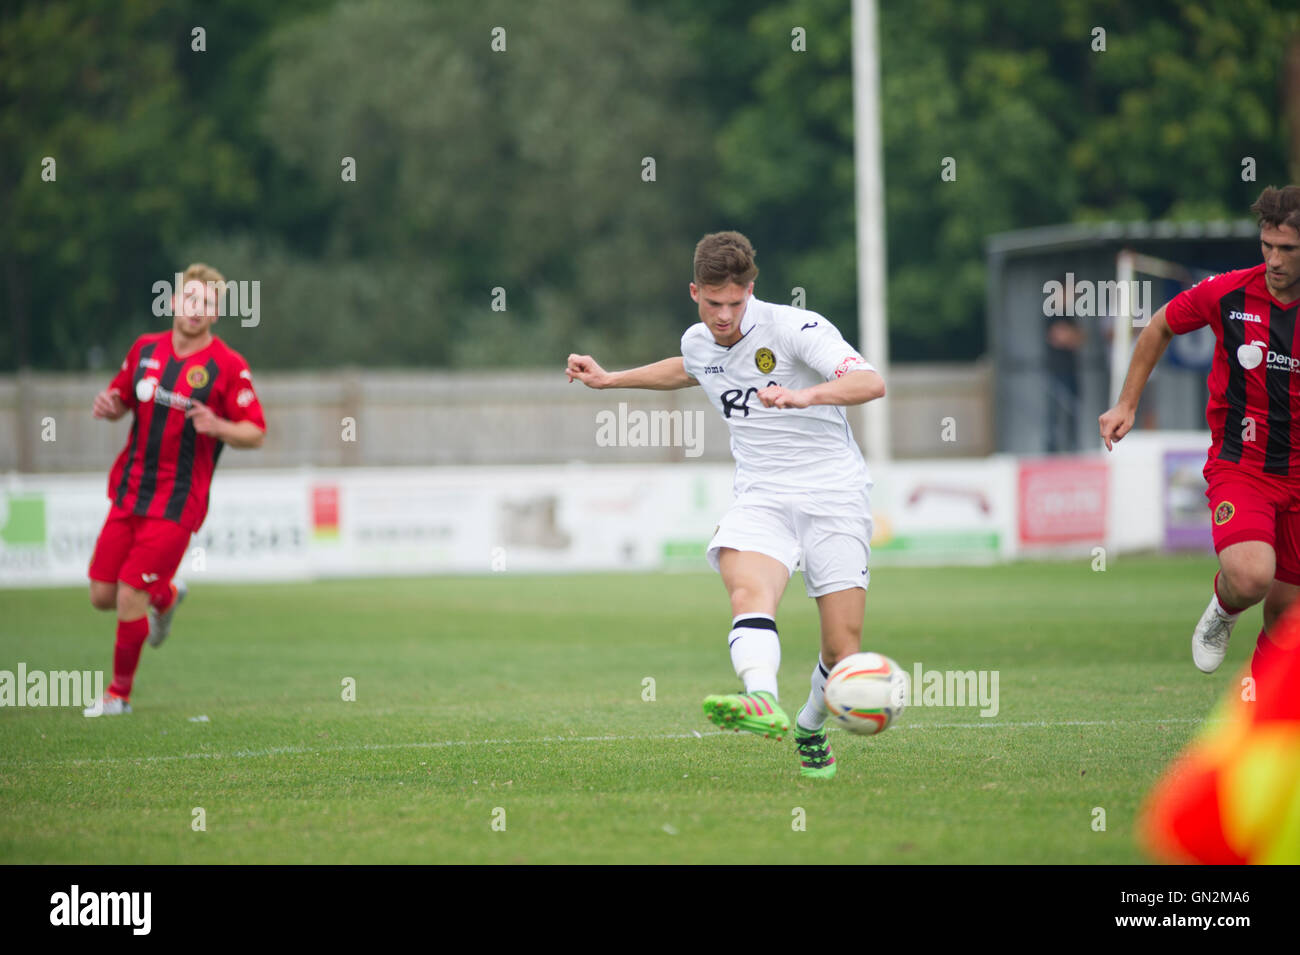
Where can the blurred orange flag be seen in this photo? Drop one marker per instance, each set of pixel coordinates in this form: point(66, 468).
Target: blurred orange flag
point(1233, 796)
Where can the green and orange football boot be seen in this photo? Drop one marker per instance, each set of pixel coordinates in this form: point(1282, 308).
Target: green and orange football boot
point(753, 712)
point(815, 757)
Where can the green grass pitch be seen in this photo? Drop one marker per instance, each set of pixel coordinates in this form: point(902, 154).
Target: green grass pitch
point(518, 700)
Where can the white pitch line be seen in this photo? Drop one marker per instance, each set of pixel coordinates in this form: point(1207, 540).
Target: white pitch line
point(993, 724)
point(318, 750)
point(444, 744)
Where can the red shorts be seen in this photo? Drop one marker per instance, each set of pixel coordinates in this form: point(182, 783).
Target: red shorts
point(141, 552)
point(1247, 505)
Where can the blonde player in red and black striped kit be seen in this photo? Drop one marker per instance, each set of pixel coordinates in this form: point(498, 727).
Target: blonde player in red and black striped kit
point(191, 395)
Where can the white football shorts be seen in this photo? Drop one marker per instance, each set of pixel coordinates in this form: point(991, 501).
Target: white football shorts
point(827, 535)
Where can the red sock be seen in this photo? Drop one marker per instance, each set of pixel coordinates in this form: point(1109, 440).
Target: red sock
point(1222, 603)
point(126, 654)
point(1265, 650)
point(162, 595)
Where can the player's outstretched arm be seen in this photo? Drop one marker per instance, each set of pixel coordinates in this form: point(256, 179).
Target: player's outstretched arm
point(854, 388)
point(1151, 344)
point(665, 375)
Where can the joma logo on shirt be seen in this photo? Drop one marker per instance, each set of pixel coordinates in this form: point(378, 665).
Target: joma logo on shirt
point(1245, 316)
point(713, 369)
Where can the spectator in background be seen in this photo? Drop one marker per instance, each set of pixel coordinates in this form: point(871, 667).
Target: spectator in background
point(1064, 339)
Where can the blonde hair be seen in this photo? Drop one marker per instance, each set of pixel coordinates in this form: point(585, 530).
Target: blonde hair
point(204, 273)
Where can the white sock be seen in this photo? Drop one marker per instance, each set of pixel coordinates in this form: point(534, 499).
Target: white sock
point(814, 713)
point(755, 651)
point(1218, 608)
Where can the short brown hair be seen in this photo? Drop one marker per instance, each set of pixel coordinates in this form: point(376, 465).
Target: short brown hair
point(724, 257)
point(1278, 207)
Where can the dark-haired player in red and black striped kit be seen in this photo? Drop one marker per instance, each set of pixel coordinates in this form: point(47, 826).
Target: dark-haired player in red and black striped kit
point(1253, 469)
point(192, 395)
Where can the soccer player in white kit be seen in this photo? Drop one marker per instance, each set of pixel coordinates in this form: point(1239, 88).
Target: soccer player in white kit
point(781, 377)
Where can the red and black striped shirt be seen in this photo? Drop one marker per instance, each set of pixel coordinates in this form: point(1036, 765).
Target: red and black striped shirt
point(1254, 390)
point(165, 470)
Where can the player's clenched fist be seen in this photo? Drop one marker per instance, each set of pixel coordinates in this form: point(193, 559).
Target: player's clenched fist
point(774, 396)
point(1116, 423)
point(203, 418)
point(584, 368)
point(108, 404)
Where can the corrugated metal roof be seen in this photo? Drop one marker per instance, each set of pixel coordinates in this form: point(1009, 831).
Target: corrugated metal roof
point(1057, 238)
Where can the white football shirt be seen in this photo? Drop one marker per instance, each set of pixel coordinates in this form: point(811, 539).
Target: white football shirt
point(780, 449)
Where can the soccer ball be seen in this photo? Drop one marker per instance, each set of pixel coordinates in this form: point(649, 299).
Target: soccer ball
point(866, 692)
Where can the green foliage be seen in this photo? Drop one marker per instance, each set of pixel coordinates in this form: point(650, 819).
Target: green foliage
point(94, 86)
point(479, 169)
point(521, 169)
point(1042, 128)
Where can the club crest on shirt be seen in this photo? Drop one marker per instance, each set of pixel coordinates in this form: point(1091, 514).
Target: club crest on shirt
point(765, 360)
point(197, 376)
point(1223, 513)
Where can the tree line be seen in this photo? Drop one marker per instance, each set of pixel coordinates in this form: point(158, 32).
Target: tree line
point(492, 184)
